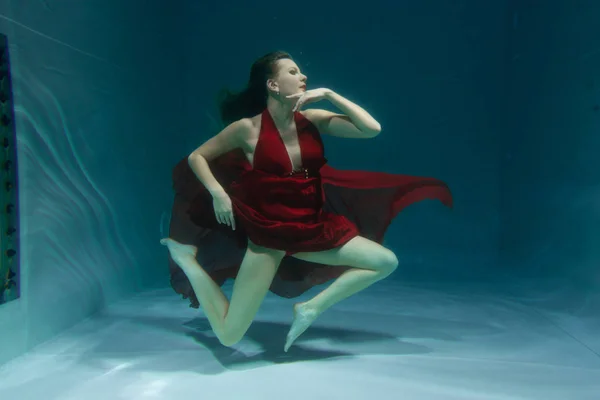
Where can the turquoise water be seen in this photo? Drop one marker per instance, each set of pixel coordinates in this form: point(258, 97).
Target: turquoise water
point(498, 100)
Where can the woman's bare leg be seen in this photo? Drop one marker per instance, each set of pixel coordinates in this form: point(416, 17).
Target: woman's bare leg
point(371, 261)
point(229, 320)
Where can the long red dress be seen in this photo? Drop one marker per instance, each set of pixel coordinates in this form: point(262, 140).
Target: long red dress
point(314, 209)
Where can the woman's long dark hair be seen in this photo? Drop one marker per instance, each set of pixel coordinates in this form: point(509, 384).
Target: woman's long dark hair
point(253, 99)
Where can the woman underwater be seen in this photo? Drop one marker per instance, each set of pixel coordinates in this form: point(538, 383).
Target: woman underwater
point(258, 203)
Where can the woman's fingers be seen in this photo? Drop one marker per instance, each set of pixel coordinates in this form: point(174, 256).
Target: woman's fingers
point(226, 218)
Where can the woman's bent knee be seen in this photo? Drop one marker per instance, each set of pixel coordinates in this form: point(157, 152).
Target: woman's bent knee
point(230, 337)
point(230, 341)
point(387, 262)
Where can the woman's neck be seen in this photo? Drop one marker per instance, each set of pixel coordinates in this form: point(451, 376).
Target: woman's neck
point(281, 112)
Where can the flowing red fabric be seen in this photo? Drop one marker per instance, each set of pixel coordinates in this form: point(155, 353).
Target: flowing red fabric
point(313, 209)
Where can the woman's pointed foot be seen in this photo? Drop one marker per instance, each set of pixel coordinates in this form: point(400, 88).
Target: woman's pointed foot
point(303, 318)
point(180, 253)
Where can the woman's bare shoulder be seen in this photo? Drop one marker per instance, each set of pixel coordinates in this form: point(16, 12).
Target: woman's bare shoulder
point(244, 128)
point(312, 115)
point(247, 132)
point(253, 124)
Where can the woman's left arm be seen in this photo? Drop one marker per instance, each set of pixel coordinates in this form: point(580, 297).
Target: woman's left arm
point(355, 122)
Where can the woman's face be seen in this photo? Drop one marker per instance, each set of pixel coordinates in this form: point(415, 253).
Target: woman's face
point(288, 80)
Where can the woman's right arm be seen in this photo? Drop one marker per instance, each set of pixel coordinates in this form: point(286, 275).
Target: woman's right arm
point(228, 139)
